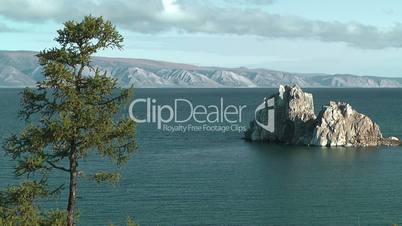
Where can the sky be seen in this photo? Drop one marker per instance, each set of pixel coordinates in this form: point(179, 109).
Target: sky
point(308, 36)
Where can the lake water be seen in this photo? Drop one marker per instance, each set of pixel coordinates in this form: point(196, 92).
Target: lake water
point(214, 178)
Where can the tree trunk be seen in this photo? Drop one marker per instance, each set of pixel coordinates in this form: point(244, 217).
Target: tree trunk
point(73, 162)
point(73, 189)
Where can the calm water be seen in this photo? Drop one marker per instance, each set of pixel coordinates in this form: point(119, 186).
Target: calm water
point(200, 178)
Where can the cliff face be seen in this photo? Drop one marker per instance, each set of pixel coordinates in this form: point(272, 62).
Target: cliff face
point(337, 124)
point(293, 112)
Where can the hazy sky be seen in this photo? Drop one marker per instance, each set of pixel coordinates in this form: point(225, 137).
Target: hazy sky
point(343, 36)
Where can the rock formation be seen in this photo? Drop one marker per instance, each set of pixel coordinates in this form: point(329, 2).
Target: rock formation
point(294, 117)
point(337, 124)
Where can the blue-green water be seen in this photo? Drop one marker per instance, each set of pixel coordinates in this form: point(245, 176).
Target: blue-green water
point(212, 178)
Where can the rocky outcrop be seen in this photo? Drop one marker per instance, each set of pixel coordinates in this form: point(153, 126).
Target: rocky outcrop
point(338, 124)
point(292, 112)
point(293, 117)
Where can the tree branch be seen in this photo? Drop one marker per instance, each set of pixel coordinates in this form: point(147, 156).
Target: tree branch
point(58, 167)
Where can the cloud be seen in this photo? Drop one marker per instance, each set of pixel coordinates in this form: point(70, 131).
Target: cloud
point(153, 16)
point(251, 2)
point(5, 28)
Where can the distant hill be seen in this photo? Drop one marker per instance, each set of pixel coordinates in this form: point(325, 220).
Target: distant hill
point(20, 69)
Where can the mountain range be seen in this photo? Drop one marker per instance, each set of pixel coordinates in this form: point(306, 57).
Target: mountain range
point(21, 69)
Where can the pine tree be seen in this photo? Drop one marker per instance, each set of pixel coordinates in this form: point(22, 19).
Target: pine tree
point(74, 110)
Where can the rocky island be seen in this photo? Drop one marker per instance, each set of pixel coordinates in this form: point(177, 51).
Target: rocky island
point(288, 117)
